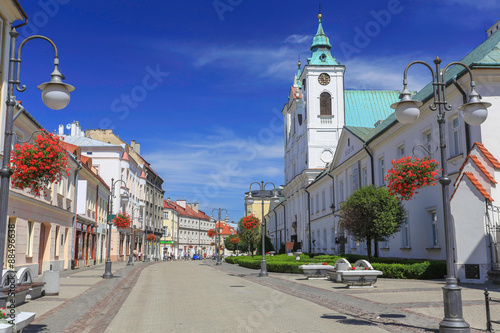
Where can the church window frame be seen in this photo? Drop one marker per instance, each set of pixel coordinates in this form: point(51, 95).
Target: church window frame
point(325, 104)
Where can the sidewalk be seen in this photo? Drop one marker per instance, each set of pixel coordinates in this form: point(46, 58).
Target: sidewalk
point(83, 291)
point(197, 296)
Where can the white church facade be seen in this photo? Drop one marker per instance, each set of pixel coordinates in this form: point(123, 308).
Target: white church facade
point(337, 140)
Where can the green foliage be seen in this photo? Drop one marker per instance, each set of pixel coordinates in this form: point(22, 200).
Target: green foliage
point(269, 245)
point(249, 237)
point(242, 245)
point(402, 269)
point(371, 213)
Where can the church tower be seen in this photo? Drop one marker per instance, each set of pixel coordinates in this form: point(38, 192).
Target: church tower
point(314, 114)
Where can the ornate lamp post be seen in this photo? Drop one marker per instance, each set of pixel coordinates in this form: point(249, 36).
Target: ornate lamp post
point(55, 94)
point(474, 113)
point(218, 229)
point(107, 267)
point(249, 200)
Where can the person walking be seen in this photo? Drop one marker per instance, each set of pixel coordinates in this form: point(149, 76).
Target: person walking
point(185, 257)
point(204, 256)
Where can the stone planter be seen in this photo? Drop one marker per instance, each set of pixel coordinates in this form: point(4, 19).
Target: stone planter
point(22, 320)
point(316, 271)
point(297, 255)
point(361, 278)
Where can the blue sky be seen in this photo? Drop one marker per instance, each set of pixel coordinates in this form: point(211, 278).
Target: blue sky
point(201, 83)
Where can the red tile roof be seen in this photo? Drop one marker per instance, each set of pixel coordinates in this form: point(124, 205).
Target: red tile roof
point(188, 211)
point(488, 155)
point(478, 185)
point(482, 168)
point(125, 156)
point(226, 229)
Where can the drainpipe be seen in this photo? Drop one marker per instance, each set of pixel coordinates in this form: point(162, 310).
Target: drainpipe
point(276, 230)
point(372, 173)
point(333, 199)
point(309, 216)
point(284, 222)
point(73, 247)
point(467, 126)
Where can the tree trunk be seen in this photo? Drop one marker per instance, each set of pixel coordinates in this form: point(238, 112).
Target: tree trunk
point(376, 248)
point(369, 248)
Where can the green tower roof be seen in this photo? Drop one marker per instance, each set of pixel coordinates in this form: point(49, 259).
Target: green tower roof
point(321, 48)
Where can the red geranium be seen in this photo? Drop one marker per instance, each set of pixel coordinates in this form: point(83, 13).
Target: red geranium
point(190, 246)
point(36, 166)
point(151, 237)
point(122, 220)
point(250, 222)
point(211, 232)
point(235, 240)
point(212, 244)
point(409, 174)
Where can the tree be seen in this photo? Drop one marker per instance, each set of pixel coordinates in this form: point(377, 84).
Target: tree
point(250, 237)
point(269, 245)
point(371, 213)
point(242, 245)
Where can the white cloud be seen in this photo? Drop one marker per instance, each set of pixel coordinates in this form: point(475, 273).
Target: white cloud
point(213, 167)
point(384, 73)
point(298, 39)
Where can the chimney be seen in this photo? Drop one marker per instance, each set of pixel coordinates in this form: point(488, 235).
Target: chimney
point(73, 128)
point(78, 128)
point(182, 203)
point(190, 205)
point(132, 143)
point(137, 148)
point(195, 207)
point(61, 130)
point(493, 29)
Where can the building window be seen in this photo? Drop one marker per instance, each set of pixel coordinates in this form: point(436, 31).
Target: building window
point(56, 242)
point(427, 142)
point(333, 237)
point(455, 137)
point(400, 151)
point(381, 169)
point(364, 177)
point(317, 203)
point(325, 244)
point(325, 104)
point(312, 205)
point(29, 241)
point(405, 233)
point(434, 229)
point(341, 191)
point(323, 200)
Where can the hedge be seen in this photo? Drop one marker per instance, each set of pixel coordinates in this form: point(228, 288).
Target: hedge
point(395, 269)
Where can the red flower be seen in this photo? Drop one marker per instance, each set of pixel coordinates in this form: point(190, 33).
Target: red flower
point(151, 237)
point(122, 220)
point(37, 165)
point(250, 222)
point(409, 174)
point(235, 240)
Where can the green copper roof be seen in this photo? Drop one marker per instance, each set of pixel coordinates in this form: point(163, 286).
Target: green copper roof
point(363, 108)
point(485, 55)
point(320, 40)
point(321, 48)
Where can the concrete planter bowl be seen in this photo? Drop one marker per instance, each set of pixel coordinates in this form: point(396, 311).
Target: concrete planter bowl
point(315, 271)
point(22, 320)
point(360, 277)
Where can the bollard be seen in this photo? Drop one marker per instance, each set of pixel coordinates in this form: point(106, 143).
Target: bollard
point(51, 279)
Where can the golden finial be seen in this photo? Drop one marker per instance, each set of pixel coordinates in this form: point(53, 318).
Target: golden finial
point(319, 16)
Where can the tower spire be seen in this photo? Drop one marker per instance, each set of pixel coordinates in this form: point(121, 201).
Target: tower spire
point(321, 47)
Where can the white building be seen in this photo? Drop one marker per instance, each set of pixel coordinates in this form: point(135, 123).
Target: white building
point(365, 139)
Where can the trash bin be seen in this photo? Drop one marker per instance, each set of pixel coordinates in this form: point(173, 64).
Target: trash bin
point(51, 279)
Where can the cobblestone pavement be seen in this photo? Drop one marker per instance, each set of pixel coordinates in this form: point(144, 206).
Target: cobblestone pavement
point(197, 296)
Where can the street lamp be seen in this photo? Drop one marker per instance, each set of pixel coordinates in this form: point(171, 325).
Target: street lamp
point(249, 200)
point(474, 113)
point(55, 94)
point(218, 229)
point(107, 267)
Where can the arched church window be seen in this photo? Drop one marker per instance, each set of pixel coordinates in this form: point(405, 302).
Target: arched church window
point(325, 104)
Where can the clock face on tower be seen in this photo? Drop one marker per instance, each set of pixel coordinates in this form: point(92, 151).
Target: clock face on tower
point(324, 79)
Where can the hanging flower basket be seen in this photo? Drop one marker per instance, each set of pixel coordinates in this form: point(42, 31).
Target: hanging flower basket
point(221, 247)
point(235, 240)
point(409, 174)
point(151, 237)
point(190, 246)
point(203, 248)
point(212, 244)
point(122, 221)
point(36, 166)
point(211, 232)
point(250, 222)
